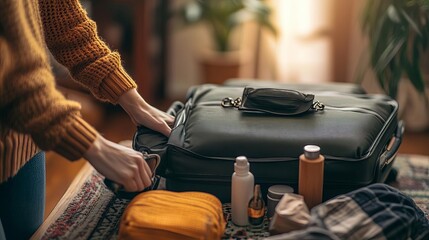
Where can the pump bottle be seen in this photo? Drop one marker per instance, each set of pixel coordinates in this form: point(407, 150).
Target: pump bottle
point(241, 191)
point(311, 170)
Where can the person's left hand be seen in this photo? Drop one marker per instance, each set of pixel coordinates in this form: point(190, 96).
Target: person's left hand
point(142, 113)
point(122, 165)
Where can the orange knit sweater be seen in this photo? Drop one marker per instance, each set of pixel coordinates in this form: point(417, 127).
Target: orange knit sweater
point(33, 113)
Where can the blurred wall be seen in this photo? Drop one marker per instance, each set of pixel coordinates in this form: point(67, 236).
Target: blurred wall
point(314, 45)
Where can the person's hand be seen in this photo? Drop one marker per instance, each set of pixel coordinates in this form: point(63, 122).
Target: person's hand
point(120, 164)
point(142, 113)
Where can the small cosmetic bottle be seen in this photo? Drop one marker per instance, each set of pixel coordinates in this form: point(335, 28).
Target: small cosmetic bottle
point(275, 193)
point(256, 208)
point(311, 170)
point(241, 191)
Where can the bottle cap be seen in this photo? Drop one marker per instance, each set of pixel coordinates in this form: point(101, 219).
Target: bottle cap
point(241, 164)
point(311, 151)
point(277, 191)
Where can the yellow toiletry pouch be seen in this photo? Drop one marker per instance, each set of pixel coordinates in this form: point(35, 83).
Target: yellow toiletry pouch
point(161, 214)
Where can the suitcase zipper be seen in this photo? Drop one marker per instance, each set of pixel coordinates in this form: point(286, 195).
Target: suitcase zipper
point(326, 107)
point(356, 109)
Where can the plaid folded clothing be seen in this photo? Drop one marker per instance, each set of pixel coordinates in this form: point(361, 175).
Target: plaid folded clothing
point(374, 212)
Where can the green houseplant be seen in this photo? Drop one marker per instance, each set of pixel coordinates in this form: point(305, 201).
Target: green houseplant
point(222, 17)
point(398, 34)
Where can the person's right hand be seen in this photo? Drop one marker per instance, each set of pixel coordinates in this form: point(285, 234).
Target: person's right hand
point(142, 113)
point(120, 164)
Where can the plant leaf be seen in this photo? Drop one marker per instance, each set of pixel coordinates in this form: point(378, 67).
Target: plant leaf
point(241, 16)
point(192, 12)
point(361, 68)
point(415, 77)
point(417, 80)
point(411, 22)
point(393, 14)
point(377, 43)
point(389, 53)
point(395, 79)
point(398, 32)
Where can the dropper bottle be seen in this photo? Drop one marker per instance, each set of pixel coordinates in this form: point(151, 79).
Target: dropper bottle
point(256, 208)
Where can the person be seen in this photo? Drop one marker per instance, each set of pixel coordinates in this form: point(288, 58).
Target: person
point(35, 117)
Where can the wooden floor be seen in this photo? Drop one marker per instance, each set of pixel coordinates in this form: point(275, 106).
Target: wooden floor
point(118, 127)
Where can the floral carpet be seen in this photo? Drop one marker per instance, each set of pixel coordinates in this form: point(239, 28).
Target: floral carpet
point(93, 212)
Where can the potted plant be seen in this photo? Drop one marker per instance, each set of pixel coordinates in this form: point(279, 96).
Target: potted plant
point(223, 17)
point(398, 34)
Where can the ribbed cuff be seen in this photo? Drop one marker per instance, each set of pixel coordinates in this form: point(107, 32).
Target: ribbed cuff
point(116, 84)
point(78, 138)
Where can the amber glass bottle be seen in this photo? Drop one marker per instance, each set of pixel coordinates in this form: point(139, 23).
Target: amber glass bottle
point(256, 207)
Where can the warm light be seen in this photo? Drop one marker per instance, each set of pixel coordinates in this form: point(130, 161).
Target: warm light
point(303, 52)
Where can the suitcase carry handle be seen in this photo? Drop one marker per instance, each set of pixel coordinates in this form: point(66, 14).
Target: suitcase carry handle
point(392, 148)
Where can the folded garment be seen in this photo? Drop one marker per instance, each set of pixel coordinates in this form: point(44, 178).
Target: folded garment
point(374, 212)
point(291, 214)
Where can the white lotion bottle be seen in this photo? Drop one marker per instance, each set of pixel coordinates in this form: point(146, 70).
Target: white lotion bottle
point(241, 191)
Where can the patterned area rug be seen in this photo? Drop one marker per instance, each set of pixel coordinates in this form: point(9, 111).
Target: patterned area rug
point(90, 211)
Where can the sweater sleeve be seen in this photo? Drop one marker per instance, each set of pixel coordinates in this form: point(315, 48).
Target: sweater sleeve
point(72, 38)
point(29, 102)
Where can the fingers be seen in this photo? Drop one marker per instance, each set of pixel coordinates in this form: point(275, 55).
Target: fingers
point(170, 121)
point(155, 119)
point(145, 174)
point(142, 113)
point(120, 164)
point(141, 179)
point(130, 186)
point(159, 125)
point(166, 122)
point(167, 118)
point(165, 129)
point(138, 176)
point(141, 176)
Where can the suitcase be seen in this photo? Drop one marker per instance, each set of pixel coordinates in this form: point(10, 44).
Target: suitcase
point(359, 135)
point(304, 87)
